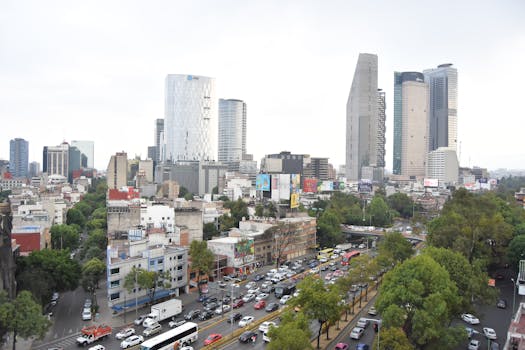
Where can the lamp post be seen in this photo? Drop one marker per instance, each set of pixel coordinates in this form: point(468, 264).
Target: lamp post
point(513, 296)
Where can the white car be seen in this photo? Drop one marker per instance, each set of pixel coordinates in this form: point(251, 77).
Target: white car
point(473, 345)
point(97, 347)
point(86, 314)
point(154, 329)
point(176, 323)
point(246, 320)
point(250, 285)
point(490, 333)
point(262, 296)
point(254, 290)
point(357, 333)
point(131, 341)
point(265, 326)
point(285, 299)
point(140, 319)
point(469, 318)
point(248, 297)
point(148, 322)
point(187, 348)
point(221, 309)
point(125, 333)
point(323, 260)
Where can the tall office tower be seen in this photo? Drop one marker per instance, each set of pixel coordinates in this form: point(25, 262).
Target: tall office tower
point(411, 105)
point(34, 169)
point(232, 132)
point(443, 119)
point(56, 160)
point(190, 123)
point(381, 128)
point(117, 173)
point(159, 136)
point(18, 157)
point(363, 145)
point(88, 149)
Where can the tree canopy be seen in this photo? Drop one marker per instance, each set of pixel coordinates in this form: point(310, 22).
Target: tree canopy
point(201, 258)
point(393, 249)
point(516, 251)
point(149, 280)
point(293, 333)
point(92, 272)
point(64, 237)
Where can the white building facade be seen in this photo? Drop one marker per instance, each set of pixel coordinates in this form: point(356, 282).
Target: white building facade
point(443, 165)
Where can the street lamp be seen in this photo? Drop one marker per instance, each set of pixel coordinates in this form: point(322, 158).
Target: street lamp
point(513, 296)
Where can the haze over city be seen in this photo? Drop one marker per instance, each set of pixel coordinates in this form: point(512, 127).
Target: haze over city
point(95, 71)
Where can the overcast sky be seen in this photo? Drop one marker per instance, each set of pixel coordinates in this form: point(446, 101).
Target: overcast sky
point(94, 70)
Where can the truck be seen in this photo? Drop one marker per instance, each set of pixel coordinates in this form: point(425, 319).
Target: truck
point(93, 333)
point(282, 289)
point(167, 309)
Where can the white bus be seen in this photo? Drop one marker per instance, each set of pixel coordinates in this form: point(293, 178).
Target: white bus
point(184, 335)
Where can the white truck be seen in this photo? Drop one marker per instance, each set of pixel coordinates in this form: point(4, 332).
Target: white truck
point(167, 309)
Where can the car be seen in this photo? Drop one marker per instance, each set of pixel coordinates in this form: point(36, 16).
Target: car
point(323, 260)
point(154, 329)
point(470, 332)
point(125, 333)
point(363, 323)
point(234, 317)
point(265, 326)
point(250, 285)
point(357, 333)
point(206, 315)
point(469, 318)
point(226, 278)
point(258, 277)
point(372, 311)
point(490, 333)
point(238, 303)
point(248, 336)
point(97, 347)
point(193, 314)
point(361, 246)
point(261, 304)
point(131, 341)
point(502, 304)
point(86, 314)
point(333, 268)
point(328, 276)
point(138, 321)
point(211, 306)
point(473, 344)
point(262, 296)
point(221, 309)
point(187, 348)
point(254, 290)
point(341, 346)
point(314, 270)
point(54, 298)
point(212, 338)
point(87, 303)
point(148, 322)
point(176, 323)
point(221, 284)
point(246, 320)
point(285, 299)
point(323, 267)
point(248, 297)
point(272, 307)
point(209, 300)
point(226, 300)
point(362, 346)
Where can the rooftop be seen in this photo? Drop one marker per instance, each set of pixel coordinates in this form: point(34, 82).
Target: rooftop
point(516, 333)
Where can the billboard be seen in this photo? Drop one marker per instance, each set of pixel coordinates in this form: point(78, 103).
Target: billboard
point(262, 182)
point(310, 185)
point(294, 200)
point(295, 183)
point(275, 188)
point(364, 186)
point(244, 248)
point(431, 182)
point(327, 186)
point(284, 186)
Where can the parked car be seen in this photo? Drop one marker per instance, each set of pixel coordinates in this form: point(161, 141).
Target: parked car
point(154, 329)
point(138, 321)
point(372, 311)
point(246, 320)
point(193, 314)
point(248, 336)
point(125, 333)
point(212, 338)
point(473, 344)
point(272, 307)
point(357, 333)
point(131, 341)
point(86, 314)
point(261, 304)
point(54, 298)
point(469, 318)
point(87, 303)
point(234, 317)
point(341, 346)
point(502, 304)
point(490, 333)
point(265, 326)
point(238, 303)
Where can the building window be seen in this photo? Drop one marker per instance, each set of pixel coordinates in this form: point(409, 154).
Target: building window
point(192, 275)
point(179, 278)
point(152, 262)
point(179, 257)
point(179, 267)
point(114, 271)
point(161, 260)
point(114, 296)
point(114, 284)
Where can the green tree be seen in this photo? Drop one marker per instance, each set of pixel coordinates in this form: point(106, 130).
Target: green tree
point(202, 259)
point(97, 238)
point(392, 339)
point(22, 316)
point(401, 203)
point(149, 280)
point(516, 251)
point(226, 222)
point(75, 216)
point(379, 212)
point(419, 297)
point(183, 191)
point(272, 210)
point(64, 237)
point(259, 210)
point(94, 224)
point(100, 213)
point(209, 230)
point(393, 249)
point(283, 236)
point(292, 334)
point(329, 229)
point(318, 303)
point(92, 272)
point(215, 190)
point(84, 208)
point(94, 252)
point(188, 196)
point(238, 210)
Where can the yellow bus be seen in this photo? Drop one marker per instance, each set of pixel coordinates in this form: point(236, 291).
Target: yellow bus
point(325, 253)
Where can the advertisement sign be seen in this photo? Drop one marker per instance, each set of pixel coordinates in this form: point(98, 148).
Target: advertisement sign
point(310, 185)
point(244, 248)
point(364, 186)
point(327, 186)
point(294, 200)
point(284, 186)
point(431, 182)
point(275, 188)
point(295, 184)
point(262, 182)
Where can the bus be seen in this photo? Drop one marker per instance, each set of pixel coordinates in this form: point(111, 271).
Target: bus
point(348, 256)
point(183, 335)
point(325, 253)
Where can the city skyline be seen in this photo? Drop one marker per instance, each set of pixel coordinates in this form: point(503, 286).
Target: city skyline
point(84, 75)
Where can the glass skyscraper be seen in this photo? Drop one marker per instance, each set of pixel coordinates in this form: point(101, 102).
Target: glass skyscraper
point(190, 123)
point(19, 158)
point(232, 131)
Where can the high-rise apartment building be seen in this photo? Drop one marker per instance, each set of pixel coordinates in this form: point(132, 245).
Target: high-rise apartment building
point(159, 139)
point(56, 160)
point(443, 118)
point(117, 174)
point(19, 158)
point(381, 128)
point(87, 148)
point(411, 106)
point(443, 165)
point(232, 132)
point(365, 139)
point(190, 123)
point(34, 169)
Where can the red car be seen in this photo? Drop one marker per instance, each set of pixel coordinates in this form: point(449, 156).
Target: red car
point(238, 303)
point(261, 304)
point(212, 338)
point(342, 346)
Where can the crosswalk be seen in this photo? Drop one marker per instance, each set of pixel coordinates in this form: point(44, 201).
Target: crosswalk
point(67, 342)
